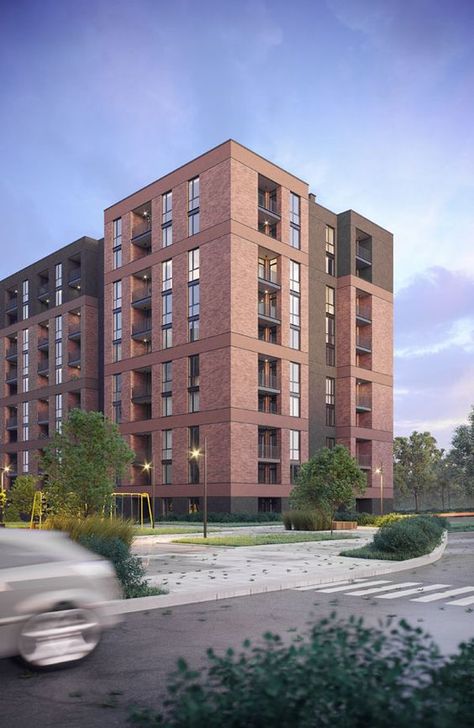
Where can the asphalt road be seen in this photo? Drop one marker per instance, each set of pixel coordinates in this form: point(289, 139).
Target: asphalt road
point(132, 663)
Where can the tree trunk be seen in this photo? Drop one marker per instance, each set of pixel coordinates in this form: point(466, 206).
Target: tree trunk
point(416, 501)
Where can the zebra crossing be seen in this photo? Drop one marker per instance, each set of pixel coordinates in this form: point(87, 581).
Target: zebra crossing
point(416, 591)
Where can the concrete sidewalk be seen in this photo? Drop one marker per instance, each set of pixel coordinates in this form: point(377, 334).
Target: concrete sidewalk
point(194, 573)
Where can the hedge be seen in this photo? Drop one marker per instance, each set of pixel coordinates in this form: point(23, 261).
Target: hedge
point(404, 539)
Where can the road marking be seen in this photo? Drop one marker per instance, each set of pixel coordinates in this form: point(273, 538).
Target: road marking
point(321, 586)
point(444, 595)
point(363, 592)
point(462, 602)
point(409, 592)
point(350, 586)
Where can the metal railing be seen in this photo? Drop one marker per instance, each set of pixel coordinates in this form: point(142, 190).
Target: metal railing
point(43, 341)
point(267, 451)
point(74, 275)
point(12, 422)
point(141, 229)
point(11, 303)
point(143, 327)
point(364, 312)
point(74, 330)
point(364, 402)
point(74, 358)
point(43, 366)
point(268, 275)
point(43, 290)
point(267, 203)
point(12, 351)
point(268, 310)
point(267, 380)
point(364, 460)
point(363, 253)
point(141, 392)
point(139, 294)
point(11, 376)
point(362, 342)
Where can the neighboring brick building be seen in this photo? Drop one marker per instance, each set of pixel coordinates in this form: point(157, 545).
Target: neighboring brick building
point(240, 313)
point(50, 349)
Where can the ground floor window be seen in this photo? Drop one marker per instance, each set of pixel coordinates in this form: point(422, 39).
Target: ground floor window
point(269, 505)
point(193, 505)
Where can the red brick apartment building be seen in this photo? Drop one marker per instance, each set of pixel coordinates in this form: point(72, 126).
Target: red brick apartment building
point(237, 312)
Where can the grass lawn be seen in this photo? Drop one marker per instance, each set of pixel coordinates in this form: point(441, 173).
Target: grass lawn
point(461, 525)
point(17, 524)
point(166, 530)
point(263, 540)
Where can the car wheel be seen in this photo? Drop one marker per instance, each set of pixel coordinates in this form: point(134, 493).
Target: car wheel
point(59, 638)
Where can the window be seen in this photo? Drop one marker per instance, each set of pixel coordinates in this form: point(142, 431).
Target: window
point(193, 383)
point(330, 442)
point(25, 420)
point(294, 321)
point(330, 300)
point(58, 411)
point(166, 388)
point(193, 505)
point(117, 243)
point(330, 251)
point(294, 276)
point(24, 298)
point(58, 348)
point(193, 442)
point(295, 445)
point(58, 283)
point(295, 389)
point(193, 311)
point(116, 294)
point(167, 219)
point(25, 461)
point(117, 398)
point(193, 206)
point(330, 341)
point(116, 320)
point(167, 275)
point(330, 401)
point(294, 220)
point(167, 457)
point(193, 265)
point(25, 360)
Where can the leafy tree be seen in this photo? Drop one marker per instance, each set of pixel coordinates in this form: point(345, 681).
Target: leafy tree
point(82, 462)
point(328, 481)
point(20, 497)
point(415, 459)
point(462, 453)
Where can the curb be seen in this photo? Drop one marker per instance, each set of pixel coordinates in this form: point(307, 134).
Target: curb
point(126, 606)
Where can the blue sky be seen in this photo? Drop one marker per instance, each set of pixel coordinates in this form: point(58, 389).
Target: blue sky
point(370, 102)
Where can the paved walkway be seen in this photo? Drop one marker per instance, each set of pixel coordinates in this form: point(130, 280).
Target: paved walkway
point(194, 573)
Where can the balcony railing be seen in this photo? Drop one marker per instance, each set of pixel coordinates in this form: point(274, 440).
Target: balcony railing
point(268, 451)
point(74, 275)
point(43, 342)
point(268, 381)
point(141, 294)
point(268, 276)
point(142, 392)
point(74, 331)
point(364, 312)
point(43, 418)
point(143, 327)
point(141, 234)
point(11, 376)
point(364, 343)
point(74, 358)
point(270, 407)
point(11, 303)
point(267, 203)
point(364, 460)
point(44, 290)
point(364, 402)
point(268, 310)
point(43, 435)
point(12, 352)
point(363, 253)
point(43, 366)
point(12, 423)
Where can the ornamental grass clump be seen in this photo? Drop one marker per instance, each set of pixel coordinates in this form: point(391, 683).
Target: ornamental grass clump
point(306, 520)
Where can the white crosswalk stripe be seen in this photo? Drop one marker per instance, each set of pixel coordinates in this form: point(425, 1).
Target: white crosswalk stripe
point(348, 587)
point(409, 592)
point(444, 595)
point(374, 590)
point(465, 602)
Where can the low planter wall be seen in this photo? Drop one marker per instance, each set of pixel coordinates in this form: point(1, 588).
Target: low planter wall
point(344, 525)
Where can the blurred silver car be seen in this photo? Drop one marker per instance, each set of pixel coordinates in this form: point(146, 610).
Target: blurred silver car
point(53, 598)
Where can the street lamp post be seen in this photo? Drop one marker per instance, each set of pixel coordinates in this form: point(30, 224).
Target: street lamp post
point(5, 469)
point(380, 472)
point(196, 453)
point(147, 468)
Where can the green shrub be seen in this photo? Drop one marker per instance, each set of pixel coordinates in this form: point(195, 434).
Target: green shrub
point(287, 521)
point(303, 520)
point(223, 517)
point(341, 673)
point(389, 518)
point(107, 528)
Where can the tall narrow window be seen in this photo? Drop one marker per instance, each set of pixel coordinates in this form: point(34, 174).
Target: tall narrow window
point(167, 219)
point(330, 401)
point(167, 457)
point(330, 326)
point(25, 297)
point(58, 283)
point(330, 300)
point(295, 283)
point(117, 398)
point(25, 360)
point(58, 411)
point(295, 324)
point(25, 411)
point(330, 251)
point(193, 383)
point(167, 275)
point(167, 388)
point(295, 454)
point(193, 443)
point(295, 389)
point(58, 349)
point(193, 295)
point(193, 206)
point(117, 243)
point(167, 304)
point(117, 320)
point(295, 223)
point(25, 461)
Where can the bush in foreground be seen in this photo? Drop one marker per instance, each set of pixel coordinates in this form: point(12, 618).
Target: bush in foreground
point(305, 520)
point(341, 673)
point(111, 539)
point(405, 539)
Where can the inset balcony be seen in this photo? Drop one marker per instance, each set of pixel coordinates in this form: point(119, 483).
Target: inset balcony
point(141, 234)
point(364, 461)
point(268, 451)
point(74, 278)
point(268, 278)
point(268, 382)
point(11, 376)
point(43, 343)
point(141, 297)
point(43, 418)
point(363, 314)
point(44, 434)
point(268, 312)
point(363, 344)
point(44, 293)
point(363, 255)
point(74, 332)
point(12, 423)
point(43, 367)
point(141, 331)
point(12, 353)
point(12, 303)
point(141, 394)
point(74, 359)
point(268, 202)
point(363, 403)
